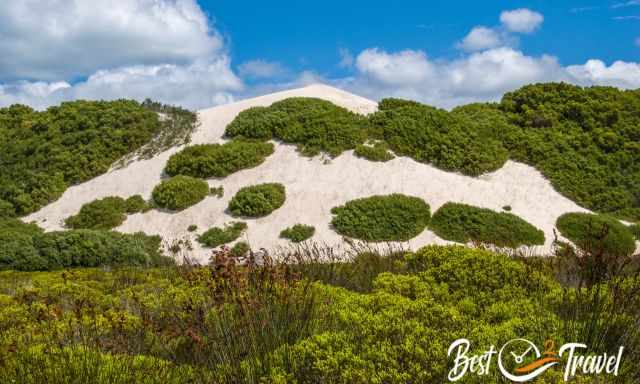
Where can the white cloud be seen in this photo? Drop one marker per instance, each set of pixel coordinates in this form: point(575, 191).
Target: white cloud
point(629, 3)
point(261, 69)
point(481, 76)
point(62, 39)
point(521, 20)
point(346, 58)
point(480, 38)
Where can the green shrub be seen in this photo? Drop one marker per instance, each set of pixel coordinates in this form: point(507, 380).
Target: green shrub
point(597, 232)
point(240, 249)
point(192, 228)
point(217, 236)
point(314, 125)
point(6, 209)
point(393, 103)
point(382, 218)
point(180, 192)
point(298, 233)
point(218, 160)
point(42, 153)
point(217, 192)
point(635, 229)
point(106, 213)
point(136, 204)
point(507, 208)
point(464, 223)
point(257, 200)
point(377, 152)
point(449, 141)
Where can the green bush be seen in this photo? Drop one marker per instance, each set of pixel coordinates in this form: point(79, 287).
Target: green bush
point(597, 232)
point(42, 153)
point(464, 223)
point(217, 236)
point(218, 160)
point(635, 229)
point(393, 103)
point(217, 192)
point(192, 228)
point(298, 233)
point(6, 209)
point(180, 192)
point(314, 125)
point(240, 249)
point(377, 152)
point(136, 204)
point(105, 213)
point(382, 218)
point(257, 200)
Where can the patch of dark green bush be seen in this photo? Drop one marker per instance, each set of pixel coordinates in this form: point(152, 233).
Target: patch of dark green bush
point(394, 103)
point(43, 153)
point(507, 208)
point(257, 200)
point(218, 236)
point(597, 233)
point(298, 233)
point(218, 160)
point(192, 228)
point(217, 191)
point(24, 247)
point(180, 192)
point(393, 217)
point(464, 223)
point(635, 229)
point(240, 249)
point(136, 204)
point(314, 125)
point(376, 152)
point(106, 213)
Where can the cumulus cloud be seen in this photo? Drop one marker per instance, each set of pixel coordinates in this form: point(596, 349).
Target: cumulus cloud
point(480, 76)
point(480, 38)
point(521, 20)
point(260, 69)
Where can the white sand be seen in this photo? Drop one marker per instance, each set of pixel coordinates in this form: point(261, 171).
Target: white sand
point(312, 186)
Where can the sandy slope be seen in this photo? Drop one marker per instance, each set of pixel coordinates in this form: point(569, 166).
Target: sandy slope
point(313, 186)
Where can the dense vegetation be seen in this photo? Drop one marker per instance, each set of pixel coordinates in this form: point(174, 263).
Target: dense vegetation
point(218, 160)
point(376, 152)
point(301, 321)
point(25, 247)
point(382, 218)
point(257, 200)
point(588, 231)
point(465, 223)
point(106, 213)
point(180, 192)
point(314, 125)
point(298, 233)
point(217, 236)
point(42, 153)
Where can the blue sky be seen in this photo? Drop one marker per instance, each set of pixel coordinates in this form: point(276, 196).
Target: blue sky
point(199, 53)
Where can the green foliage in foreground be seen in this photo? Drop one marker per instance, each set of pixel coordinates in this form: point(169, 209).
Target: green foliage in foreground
point(257, 200)
point(465, 223)
point(393, 217)
point(218, 160)
point(180, 192)
point(218, 236)
point(594, 232)
point(375, 152)
point(106, 213)
point(298, 233)
point(43, 153)
point(25, 247)
point(635, 229)
point(240, 249)
point(314, 125)
point(231, 324)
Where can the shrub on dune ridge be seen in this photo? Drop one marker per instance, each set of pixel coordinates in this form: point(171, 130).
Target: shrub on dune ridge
point(393, 217)
point(597, 232)
point(298, 233)
point(180, 192)
point(257, 200)
point(217, 236)
point(218, 160)
point(463, 223)
point(376, 152)
point(106, 213)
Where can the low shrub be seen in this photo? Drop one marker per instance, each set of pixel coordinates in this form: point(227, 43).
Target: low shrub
point(377, 152)
point(257, 200)
point(393, 103)
point(464, 223)
point(217, 236)
point(217, 192)
point(635, 229)
point(507, 208)
point(106, 213)
point(240, 249)
point(180, 192)
point(382, 218)
point(218, 160)
point(298, 233)
point(192, 228)
point(136, 204)
point(597, 232)
point(6, 209)
point(314, 125)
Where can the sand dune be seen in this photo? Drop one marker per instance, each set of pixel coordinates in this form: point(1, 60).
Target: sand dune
point(313, 186)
